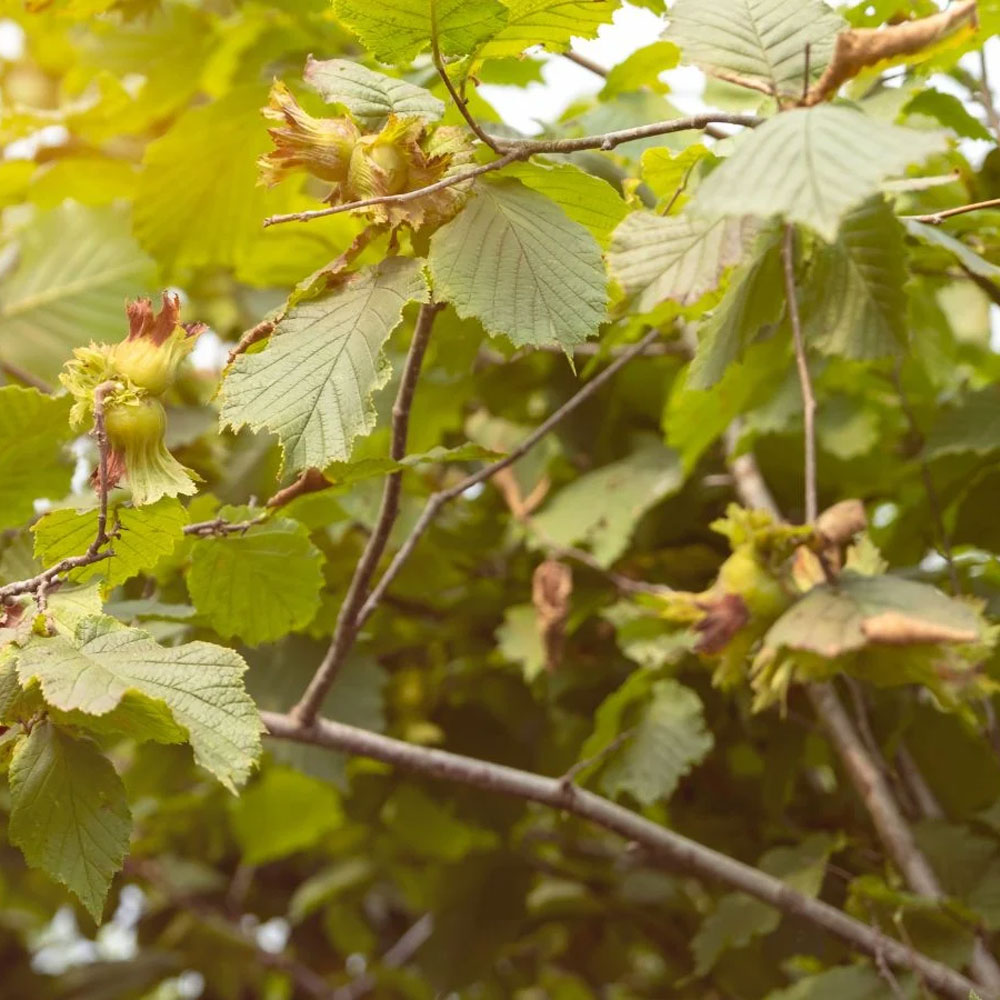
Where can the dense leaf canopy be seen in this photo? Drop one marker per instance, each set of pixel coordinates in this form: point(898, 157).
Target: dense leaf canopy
point(438, 561)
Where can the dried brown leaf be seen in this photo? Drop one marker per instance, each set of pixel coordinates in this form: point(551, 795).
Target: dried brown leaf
point(551, 588)
point(893, 628)
point(723, 619)
point(860, 48)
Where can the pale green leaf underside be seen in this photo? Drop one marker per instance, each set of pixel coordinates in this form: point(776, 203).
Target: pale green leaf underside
point(811, 166)
point(854, 304)
point(77, 266)
point(259, 586)
point(33, 428)
point(69, 815)
point(677, 257)
point(601, 508)
point(202, 684)
point(370, 97)
point(312, 384)
point(764, 40)
point(144, 538)
point(515, 261)
point(397, 30)
point(550, 23)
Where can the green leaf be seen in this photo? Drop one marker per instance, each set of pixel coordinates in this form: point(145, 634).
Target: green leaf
point(950, 112)
point(512, 259)
point(853, 302)
point(833, 620)
point(760, 40)
point(754, 300)
point(69, 815)
point(602, 508)
point(739, 918)
point(198, 203)
point(397, 30)
point(641, 69)
point(145, 536)
point(429, 830)
point(202, 685)
point(677, 257)
point(283, 813)
point(260, 585)
point(665, 171)
point(368, 96)
point(811, 165)
point(34, 427)
point(668, 738)
point(853, 982)
point(76, 267)
point(966, 256)
point(586, 199)
point(519, 641)
point(972, 424)
point(312, 384)
point(549, 23)
point(348, 473)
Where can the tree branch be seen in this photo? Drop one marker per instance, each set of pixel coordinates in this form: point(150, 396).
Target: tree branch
point(348, 619)
point(936, 218)
point(522, 149)
point(686, 855)
point(457, 98)
point(802, 365)
point(438, 500)
point(21, 375)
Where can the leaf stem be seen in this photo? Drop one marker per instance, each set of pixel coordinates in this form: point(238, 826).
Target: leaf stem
point(936, 218)
point(457, 98)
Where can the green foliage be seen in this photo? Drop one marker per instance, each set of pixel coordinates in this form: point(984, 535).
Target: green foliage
point(514, 261)
point(260, 585)
point(610, 608)
point(338, 339)
point(811, 166)
point(69, 813)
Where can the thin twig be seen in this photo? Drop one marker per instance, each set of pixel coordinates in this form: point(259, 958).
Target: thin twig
point(18, 373)
point(348, 619)
point(669, 847)
point(521, 149)
point(219, 526)
point(409, 943)
point(802, 365)
point(457, 98)
point(438, 500)
point(573, 772)
point(936, 218)
point(589, 64)
point(43, 582)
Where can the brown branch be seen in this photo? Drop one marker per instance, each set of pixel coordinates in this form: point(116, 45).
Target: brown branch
point(802, 365)
point(348, 619)
point(521, 149)
point(219, 526)
point(21, 375)
point(311, 481)
point(438, 500)
point(457, 98)
point(409, 943)
point(936, 218)
point(43, 582)
point(588, 64)
point(686, 855)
